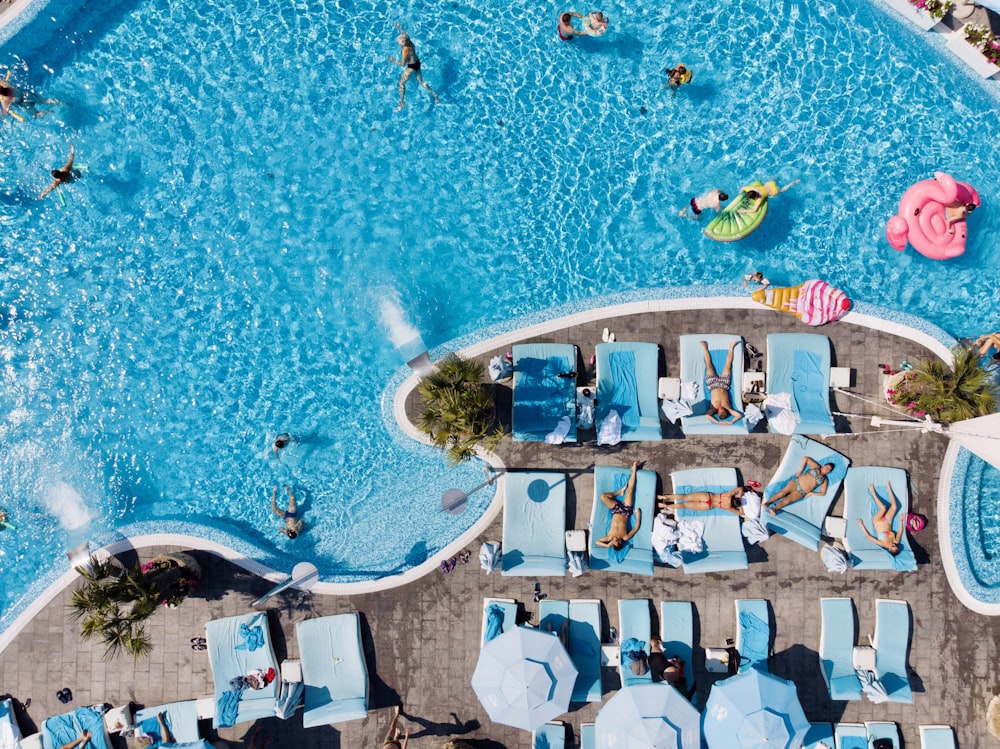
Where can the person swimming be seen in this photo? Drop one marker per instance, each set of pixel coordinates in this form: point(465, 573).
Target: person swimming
point(61, 176)
point(565, 27)
point(410, 63)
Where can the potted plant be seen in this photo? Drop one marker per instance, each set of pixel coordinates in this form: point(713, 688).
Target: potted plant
point(946, 394)
point(978, 47)
point(458, 409)
point(936, 9)
point(114, 602)
point(984, 40)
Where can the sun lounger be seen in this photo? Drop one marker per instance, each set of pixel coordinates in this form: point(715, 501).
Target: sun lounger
point(836, 648)
point(238, 645)
point(534, 524)
point(66, 727)
point(588, 736)
point(181, 719)
point(799, 364)
point(850, 736)
point(937, 737)
point(549, 736)
point(499, 616)
point(817, 733)
point(585, 649)
point(693, 371)
point(866, 555)
point(677, 634)
point(634, 624)
point(543, 394)
point(333, 669)
point(753, 633)
point(638, 559)
point(722, 541)
point(802, 521)
point(627, 378)
point(892, 645)
point(883, 730)
point(552, 615)
point(10, 731)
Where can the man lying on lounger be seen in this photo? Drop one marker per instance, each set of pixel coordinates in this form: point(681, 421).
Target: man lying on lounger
point(704, 501)
point(621, 511)
point(811, 479)
point(720, 410)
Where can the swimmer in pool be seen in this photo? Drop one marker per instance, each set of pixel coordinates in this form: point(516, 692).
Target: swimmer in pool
point(61, 176)
point(293, 525)
point(410, 64)
point(565, 27)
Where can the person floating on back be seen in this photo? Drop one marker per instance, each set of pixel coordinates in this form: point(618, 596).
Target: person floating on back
point(61, 176)
point(410, 64)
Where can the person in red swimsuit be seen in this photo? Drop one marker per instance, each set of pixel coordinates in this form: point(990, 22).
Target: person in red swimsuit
point(565, 27)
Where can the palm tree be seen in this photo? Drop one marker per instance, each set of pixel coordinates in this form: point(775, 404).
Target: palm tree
point(950, 394)
point(458, 409)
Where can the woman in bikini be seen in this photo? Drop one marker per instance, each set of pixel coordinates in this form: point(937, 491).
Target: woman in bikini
point(721, 409)
point(410, 64)
point(882, 521)
point(811, 479)
point(704, 501)
point(621, 511)
point(391, 740)
point(293, 525)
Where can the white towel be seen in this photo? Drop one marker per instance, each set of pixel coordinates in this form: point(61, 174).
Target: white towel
point(835, 559)
point(780, 415)
point(753, 415)
point(664, 540)
point(872, 687)
point(576, 563)
point(500, 369)
point(610, 432)
point(489, 557)
point(558, 435)
point(750, 502)
point(690, 392)
point(585, 414)
point(674, 410)
point(691, 533)
point(754, 531)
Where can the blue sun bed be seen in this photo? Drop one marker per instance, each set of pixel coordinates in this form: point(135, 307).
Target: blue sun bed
point(334, 671)
point(634, 623)
point(677, 635)
point(802, 521)
point(549, 736)
point(693, 370)
point(66, 727)
point(638, 559)
point(799, 363)
point(588, 736)
point(866, 555)
point(534, 524)
point(541, 395)
point(850, 736)
point(181, 718)
point(892, 646)
point(627, 379)
point(937, 737)
point(878, 729)
point(585, 649)
point(236, 646)
point(836, 648)
point(723, 540)
point(753, 633)
point(818, 732)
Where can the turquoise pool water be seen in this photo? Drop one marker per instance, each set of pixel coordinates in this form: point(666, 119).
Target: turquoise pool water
point(252, 206)
point(975, 527)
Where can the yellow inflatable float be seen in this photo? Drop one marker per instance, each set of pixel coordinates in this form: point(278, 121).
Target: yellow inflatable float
point(814, 302)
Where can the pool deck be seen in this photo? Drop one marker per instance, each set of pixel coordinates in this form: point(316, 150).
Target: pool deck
point(422, 639)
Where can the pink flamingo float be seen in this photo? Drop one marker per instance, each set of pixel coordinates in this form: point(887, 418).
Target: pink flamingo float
point(921, 218)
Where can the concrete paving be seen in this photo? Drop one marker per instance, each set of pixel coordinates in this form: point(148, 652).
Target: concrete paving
point(422, 640)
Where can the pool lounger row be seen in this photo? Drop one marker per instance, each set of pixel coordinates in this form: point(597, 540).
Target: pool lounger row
point(534, 524)
point(862, 735)
point(544, 392)
point(723, 547)
point(637, 558)
point(583, 641)
point(865, 554)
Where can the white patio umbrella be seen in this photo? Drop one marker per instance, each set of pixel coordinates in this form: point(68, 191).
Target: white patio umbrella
point(754, 710)
point(524, 678)
point(648, 716)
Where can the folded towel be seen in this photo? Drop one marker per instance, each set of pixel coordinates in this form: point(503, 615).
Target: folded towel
point(691, 533)
point(751, 503)
point(585, 414)
point(229, 702)
point(253, 637)
point(782, 418)
point(610, 432)
point(754, 531)
point(558, 435)
point(674, 410)
point(755, 637)
point(576, 563)
point(836, 560)
point(489, 557)
point(690, 392)
point(753, 415)
point(664, 535)
point(871, 686)
point(494, 622)
point(289, 696)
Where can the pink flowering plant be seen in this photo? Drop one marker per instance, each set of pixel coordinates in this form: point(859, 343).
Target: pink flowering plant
point(946, 394)
point(984, 40)
point(934, 8)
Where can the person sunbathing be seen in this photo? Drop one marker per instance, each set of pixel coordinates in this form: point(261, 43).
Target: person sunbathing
point(392, 736)
point(621, 511)
point(812, 478)
point(83, 739)
point(720, 409)
point(882, 521)
point(702, 501)
point(990, 341)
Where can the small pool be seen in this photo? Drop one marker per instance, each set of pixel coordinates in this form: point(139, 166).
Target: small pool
point(975, 526)
point(256, 230)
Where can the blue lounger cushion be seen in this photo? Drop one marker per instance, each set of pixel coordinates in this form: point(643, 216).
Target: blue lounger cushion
point(866, 555)
point(334, 670)
point(534, 524)
point(892, 646)
point(723, 541)
point(836, 648)
point(585, 649)
point(817, 733)
point(693, 370)
point(230, 655)
point(588, 736)
point(10, 731)
point(67, 727)
point(677, 634)
point(552, 615)
point(181, 718)
point(549, 736)
point(850, 736)
point(799, 363)
point(541, 396)
point(878, 729)
point(499, 614)
point(937, 737)
point(634, 625)
point(638, 559)
point(753, 633)
point(802, 521)
point(627, 380)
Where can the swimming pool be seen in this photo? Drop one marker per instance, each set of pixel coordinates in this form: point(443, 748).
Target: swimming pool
point(252, 205)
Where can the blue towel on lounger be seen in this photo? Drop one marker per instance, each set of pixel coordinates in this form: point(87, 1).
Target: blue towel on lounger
point(755, 637)
point(253, 637)
point(625, 399)
point(809, 387)
point(229, 703)
point(494, 622)
point(630, 647)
